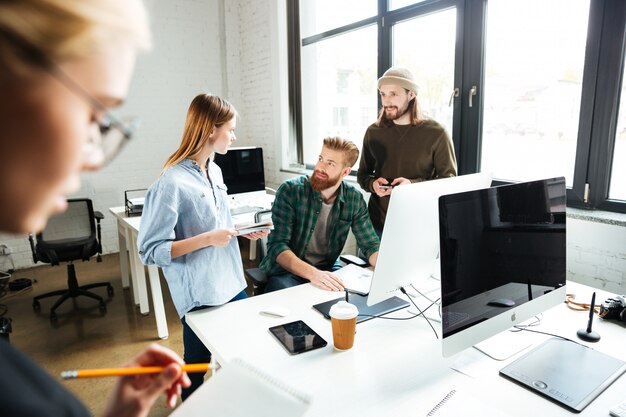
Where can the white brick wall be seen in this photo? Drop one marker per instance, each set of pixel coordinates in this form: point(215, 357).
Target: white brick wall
point(596, 254)
point(186, 59)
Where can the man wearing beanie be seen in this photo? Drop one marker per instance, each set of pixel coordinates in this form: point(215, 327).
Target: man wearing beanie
point(402, 146)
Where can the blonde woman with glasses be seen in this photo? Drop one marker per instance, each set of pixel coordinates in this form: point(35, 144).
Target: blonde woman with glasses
point(64, 64)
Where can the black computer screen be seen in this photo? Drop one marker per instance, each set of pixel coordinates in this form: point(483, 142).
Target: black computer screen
point(242, 169)
point(500, 247)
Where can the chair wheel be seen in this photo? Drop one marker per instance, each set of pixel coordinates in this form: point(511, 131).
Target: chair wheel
point(110, 290)
point(103, 307)
point(36, 305)
point(53, 317)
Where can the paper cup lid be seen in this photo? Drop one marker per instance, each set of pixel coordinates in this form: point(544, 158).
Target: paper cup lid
point(343, 310)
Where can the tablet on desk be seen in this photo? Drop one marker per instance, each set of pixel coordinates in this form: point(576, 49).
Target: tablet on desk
point(297, 337)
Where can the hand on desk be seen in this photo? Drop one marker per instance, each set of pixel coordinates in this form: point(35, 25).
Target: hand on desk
point(326, 280)
point(134, 395)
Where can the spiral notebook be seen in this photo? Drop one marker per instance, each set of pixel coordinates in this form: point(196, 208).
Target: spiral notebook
point(456, 403)
point(239, 389)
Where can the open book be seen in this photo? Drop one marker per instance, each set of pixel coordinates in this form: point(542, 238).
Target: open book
point(245, 228)
point(241, 390)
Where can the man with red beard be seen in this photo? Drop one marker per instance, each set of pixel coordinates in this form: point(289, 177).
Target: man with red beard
point(312, 217)
point(402, 146)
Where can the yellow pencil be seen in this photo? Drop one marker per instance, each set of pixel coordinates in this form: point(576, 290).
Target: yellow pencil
point(140, 370)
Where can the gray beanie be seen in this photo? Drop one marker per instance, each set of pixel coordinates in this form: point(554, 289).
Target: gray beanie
point(398, 76)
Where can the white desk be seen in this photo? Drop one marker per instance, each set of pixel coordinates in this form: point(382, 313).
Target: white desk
point(128, 230)
point(395, 368)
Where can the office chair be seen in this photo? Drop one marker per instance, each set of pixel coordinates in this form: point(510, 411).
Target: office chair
point(257, 275)
point(70, 236)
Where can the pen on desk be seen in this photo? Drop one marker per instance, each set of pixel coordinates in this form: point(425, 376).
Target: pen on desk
point(139, 370)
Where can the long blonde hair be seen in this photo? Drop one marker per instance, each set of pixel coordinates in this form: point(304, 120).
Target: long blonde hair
point(206, 112)
point(65, 29)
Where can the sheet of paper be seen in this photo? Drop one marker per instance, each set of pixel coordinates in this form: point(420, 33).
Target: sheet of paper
point(355, 278)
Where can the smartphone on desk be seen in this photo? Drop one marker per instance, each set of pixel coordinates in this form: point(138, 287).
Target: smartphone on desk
point(297, 337)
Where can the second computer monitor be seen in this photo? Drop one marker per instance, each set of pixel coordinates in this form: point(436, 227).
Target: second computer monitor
point(242, 169)
point(409, 246)
point(503, 255)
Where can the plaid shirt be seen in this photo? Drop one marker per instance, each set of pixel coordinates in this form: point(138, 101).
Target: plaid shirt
point(295, 213)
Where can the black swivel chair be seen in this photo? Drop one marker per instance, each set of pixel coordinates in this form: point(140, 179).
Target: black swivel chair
point(256, 275)
point(70, 236)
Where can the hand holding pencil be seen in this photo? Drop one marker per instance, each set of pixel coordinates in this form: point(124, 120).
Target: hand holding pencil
point(135, 393)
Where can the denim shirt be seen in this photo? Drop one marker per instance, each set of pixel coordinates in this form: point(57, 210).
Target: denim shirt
point(181, 204)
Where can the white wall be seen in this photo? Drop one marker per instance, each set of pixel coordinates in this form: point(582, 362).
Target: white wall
point(187, 58)
point(596, 254)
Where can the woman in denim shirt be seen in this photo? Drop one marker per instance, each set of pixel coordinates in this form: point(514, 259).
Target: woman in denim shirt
point(186, 226)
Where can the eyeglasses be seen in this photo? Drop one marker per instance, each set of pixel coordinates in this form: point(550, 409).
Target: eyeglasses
point(111, 134)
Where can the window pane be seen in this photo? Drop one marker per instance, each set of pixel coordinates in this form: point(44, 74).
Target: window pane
point(617, 191)
point(432, 62)
point(397, 4)
point(338, 89)
point(317, 16)
point(535, 53)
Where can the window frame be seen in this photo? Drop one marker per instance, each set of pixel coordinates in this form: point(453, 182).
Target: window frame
point(600, 98)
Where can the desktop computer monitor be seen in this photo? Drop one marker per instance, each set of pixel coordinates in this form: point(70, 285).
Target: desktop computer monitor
point(242, 169)
point(409, 246)
point(502, 258)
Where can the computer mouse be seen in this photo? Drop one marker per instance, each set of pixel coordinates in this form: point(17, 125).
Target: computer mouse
point(275, 311)
point(501, 302)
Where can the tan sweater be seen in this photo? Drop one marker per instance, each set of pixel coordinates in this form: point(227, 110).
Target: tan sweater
point(418, 153)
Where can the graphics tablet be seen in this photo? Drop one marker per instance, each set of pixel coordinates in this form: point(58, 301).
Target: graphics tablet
point(365, 311)
point(569, 373)
point(297, 337)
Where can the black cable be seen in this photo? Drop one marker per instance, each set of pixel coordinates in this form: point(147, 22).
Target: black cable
point(397, 318)
point(421, 312)
point(548, 334)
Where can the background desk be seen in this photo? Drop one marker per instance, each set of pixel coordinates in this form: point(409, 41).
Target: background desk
point(395, 368)
point(128, 230)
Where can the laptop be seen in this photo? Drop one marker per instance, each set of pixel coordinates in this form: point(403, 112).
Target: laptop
point(365, 312)
point(566, 372)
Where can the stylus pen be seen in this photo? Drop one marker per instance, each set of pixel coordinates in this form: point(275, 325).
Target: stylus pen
point(140, 370)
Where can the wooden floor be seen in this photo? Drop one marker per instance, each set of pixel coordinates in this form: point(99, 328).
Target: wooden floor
point(83, 337)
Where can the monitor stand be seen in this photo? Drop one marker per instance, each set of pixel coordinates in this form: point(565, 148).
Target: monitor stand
point(503, 345)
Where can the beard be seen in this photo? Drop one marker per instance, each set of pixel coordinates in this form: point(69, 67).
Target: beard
point(399, 112)
point(319, 184)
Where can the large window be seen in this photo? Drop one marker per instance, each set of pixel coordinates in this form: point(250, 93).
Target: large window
point(617, 189)
point(532, 87)
point(526, 89)
point(337, 84)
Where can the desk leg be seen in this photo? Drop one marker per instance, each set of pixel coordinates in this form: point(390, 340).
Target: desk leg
point(157, 301)
point(139, 276)
point(121, 235)
point(253, 246)
point(133, 258)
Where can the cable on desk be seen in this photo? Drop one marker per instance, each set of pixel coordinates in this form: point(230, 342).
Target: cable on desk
point(421, 312)
point(425, 296)
point(397, 318)
point(576, 306)
point(520, 327)
point(548, 334)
